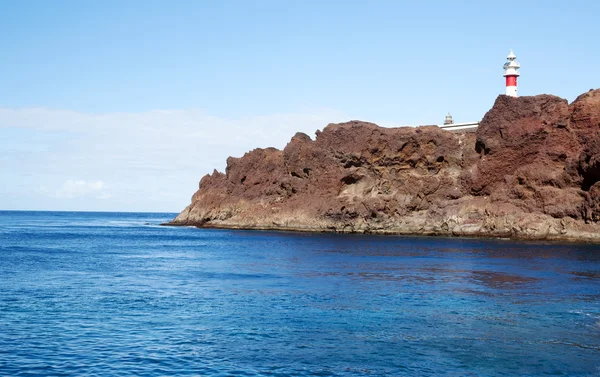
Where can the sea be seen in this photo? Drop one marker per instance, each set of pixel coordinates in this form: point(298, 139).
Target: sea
point(117, 294)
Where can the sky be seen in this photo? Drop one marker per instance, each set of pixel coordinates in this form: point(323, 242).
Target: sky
point(125, 105)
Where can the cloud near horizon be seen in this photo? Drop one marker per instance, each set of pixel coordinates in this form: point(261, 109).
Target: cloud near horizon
point(150, 160)
point(79, 188)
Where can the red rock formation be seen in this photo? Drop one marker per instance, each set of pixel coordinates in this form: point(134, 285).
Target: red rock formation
point(532, 170)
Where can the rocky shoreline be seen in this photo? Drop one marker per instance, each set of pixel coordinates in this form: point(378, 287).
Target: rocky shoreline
point(530, 171)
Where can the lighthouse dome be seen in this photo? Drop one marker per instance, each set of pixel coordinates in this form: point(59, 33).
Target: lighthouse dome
point(512, 64)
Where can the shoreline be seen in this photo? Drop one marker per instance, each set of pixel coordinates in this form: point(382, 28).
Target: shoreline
point(388, 232)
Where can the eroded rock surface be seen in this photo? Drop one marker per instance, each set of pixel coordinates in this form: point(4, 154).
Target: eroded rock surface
point(531, 171)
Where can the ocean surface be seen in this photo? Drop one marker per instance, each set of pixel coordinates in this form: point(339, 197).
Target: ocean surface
point(115, 294)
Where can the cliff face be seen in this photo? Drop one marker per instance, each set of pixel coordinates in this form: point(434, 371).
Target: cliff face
point(532, 170)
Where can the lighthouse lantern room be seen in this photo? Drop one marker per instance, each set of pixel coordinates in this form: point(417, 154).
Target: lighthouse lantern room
point(511, 72)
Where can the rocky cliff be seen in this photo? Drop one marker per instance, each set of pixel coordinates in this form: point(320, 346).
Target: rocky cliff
point(530, 171)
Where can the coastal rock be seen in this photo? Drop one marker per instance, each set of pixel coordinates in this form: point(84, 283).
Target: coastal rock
point(530, 171)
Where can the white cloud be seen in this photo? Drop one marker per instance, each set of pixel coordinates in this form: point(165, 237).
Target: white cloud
point(75, 189)
point(151, 160)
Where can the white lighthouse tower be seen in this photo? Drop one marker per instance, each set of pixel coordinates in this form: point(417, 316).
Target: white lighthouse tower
point(511, 72)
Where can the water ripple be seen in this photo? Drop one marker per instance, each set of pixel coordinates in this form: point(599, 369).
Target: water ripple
point(108, 294)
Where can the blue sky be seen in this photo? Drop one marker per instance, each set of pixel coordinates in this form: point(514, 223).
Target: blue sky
point(124, 105)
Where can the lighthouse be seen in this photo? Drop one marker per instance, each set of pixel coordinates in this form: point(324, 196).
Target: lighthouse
point(511, 72)
point(448, 120)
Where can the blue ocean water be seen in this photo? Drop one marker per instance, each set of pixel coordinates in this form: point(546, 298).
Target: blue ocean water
point(115, 294)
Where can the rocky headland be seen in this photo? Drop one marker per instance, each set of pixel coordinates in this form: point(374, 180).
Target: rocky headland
point(530, 171)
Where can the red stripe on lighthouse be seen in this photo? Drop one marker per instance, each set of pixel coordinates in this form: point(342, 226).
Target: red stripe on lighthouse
point(511, 80)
